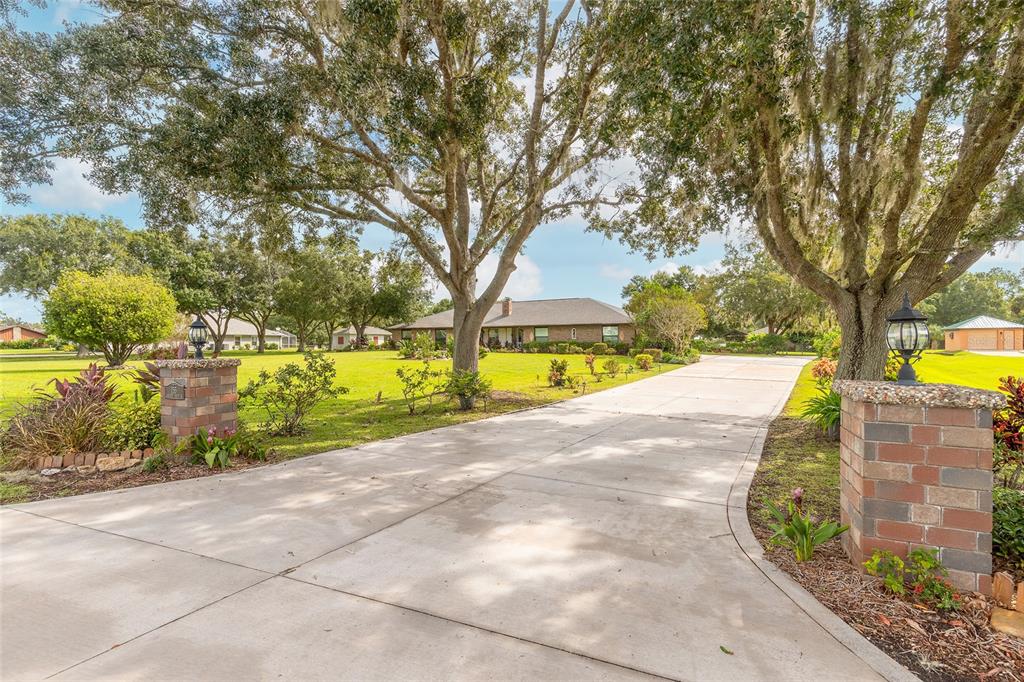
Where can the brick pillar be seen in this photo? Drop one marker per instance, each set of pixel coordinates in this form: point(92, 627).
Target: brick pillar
point(916, 471)
point(198, 393)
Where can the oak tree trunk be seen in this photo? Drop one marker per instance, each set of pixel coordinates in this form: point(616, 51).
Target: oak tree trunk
point(863, 351)
point(466, 327)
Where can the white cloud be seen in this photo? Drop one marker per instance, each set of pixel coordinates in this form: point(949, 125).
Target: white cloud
point(615, 272)
point(524, 283)
point(708, 268)
point(1009, 255)
point(71, 190)
point(668, 268)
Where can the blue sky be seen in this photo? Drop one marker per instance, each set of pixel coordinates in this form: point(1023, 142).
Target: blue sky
point(560, 260)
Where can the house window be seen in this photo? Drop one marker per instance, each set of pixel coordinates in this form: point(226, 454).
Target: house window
point(540, 334)
point(375, 340)
point(406, 334)
point(610, 334)
point(341, 340)
point(572, 333)
point(492, 336)
point(441, 337)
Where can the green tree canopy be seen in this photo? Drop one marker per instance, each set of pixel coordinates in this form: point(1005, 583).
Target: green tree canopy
point(974, 293)
point(112, 311)
point(382, 288)
point(874, 146)
point(459, 126)
point(666, 314)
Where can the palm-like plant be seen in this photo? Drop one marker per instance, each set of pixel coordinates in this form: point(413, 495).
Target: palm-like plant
point(798, 530)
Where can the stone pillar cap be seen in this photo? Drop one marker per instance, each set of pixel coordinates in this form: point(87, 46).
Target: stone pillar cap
point(931, 395)
point(192, 363)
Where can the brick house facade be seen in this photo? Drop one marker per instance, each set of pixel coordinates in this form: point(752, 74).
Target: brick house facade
point(581, 320)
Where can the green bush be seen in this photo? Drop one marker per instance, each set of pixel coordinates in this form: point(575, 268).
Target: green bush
point(467, 387)
point(1008, 524)
point(22, 344)
point(824, 409)
point(562, 348)
point(134, 424)
point(655, 353)
point(418, 384)
point(599, 348)
point(558, 370)
point(271, 346)
point(55, 425)
point(113, 312)
point(827, 344)
point(644, 361)
point(289, 393)
point(611, 367)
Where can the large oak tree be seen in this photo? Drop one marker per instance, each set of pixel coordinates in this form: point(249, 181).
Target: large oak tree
point(874, 146)
point(461, 126)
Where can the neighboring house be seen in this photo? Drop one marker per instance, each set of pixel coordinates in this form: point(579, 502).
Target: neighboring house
point(19, 332)
point(516, 322)
point(241, 334)
point(374, 336)
point(984, 333)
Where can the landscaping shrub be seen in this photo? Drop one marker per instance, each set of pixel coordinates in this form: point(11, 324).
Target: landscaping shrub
point(418, 384)
point(134, 424)
point(24, 344)
point(611, 367)
point(113, 312)
point(797, 530)
point(655, 353)
point(207, 446)
point(599, 348)
point(71, 421)
point(824, 410)
point(289, 393)
point(1008, 423)
point(562, 348)
point(558, 370)
point(767, 343)
point(827, 344)
point(1008, 524)
point(575, 350)
point(924, 572)
point(467, 387)
point(589, 359)
point(271, 346)
point(644, 361)
point(824, 371)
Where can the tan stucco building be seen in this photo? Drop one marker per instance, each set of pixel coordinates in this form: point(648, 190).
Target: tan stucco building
point(984, 333)
point(512, 323)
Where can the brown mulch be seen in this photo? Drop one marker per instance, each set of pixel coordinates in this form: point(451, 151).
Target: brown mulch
point(937, 646)
point(68, 482)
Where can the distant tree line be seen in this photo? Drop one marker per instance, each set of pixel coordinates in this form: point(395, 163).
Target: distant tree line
point(266, 275)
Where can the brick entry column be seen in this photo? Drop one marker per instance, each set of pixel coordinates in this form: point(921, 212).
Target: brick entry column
point(916, 471)
point(198, 393)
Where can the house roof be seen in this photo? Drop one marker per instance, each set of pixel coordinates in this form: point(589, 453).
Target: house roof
point(985, 322)
point(237, 327)
point(29, 327)
point(551, 312)
point(369, 330)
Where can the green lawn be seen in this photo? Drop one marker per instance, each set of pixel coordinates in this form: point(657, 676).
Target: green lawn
point(33, 351)
point(935, 367)
point(519, 378)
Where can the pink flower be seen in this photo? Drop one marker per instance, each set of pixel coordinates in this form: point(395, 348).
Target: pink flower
point(798, 495)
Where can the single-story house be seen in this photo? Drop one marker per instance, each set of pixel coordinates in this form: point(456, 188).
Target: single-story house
point(241, 334)
point(983, 332)
point(374, 336)
point(19, 332)
point(583, 320)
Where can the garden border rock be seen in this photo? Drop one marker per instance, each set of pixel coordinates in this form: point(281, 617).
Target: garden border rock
point(739, 524)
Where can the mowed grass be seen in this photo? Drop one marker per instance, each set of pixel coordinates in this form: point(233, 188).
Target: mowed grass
point(935, 367)
point(519, 380)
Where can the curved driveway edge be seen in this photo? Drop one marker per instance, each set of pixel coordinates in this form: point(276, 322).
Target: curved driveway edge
point(739, 522)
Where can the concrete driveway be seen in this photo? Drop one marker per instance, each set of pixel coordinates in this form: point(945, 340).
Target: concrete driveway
point(586, 540)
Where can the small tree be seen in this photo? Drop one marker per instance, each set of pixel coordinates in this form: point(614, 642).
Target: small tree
point(668, 314)
point(289, 393)
point(114, 312)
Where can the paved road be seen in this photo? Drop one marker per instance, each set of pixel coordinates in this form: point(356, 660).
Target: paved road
point(586, 540)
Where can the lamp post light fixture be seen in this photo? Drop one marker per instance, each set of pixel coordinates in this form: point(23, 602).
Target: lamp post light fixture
point(907, 335)
point(197, 335)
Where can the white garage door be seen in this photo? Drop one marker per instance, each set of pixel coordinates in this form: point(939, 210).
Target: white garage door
point(981, 340)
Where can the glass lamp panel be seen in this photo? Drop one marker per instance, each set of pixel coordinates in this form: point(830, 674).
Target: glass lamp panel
point(892, 336)
point(908, 332)
point(923, 335)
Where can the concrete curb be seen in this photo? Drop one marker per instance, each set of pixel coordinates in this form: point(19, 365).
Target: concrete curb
point(736, 510)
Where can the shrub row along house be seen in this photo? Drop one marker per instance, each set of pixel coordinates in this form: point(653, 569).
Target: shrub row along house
point(514, 323)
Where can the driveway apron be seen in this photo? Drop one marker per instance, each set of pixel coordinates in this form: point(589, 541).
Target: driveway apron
point(584, 540)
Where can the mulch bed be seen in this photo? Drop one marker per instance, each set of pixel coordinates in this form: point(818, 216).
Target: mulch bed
point(68, 482)
point(937, 646)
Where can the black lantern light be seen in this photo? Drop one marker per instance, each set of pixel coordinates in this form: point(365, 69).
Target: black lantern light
point(907, 335)
point(197, 334)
